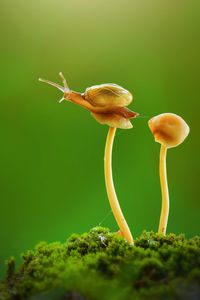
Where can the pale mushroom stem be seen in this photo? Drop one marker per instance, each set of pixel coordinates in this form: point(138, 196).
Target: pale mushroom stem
point(111, 189)
point(164, 189)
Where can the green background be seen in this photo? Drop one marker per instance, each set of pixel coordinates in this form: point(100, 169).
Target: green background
point(51, 162)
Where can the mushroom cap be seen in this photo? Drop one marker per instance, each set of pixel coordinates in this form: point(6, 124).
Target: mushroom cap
point(169, 129)
point(108, 94)
point(113, 120)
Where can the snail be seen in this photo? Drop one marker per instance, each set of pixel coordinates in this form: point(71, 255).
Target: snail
point(107, 104)
point(170, 130)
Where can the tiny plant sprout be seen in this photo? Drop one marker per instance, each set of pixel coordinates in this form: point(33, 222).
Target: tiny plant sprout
point(107, 104)
point(169, 130)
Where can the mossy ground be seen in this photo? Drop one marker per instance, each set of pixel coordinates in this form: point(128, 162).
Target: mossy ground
point(100, 265)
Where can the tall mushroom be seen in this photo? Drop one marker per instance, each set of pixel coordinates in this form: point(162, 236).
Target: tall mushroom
point(170, 130)
point(107, 104)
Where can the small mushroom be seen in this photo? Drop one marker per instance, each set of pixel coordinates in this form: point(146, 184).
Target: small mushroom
point(107, 104)
point(170, 130)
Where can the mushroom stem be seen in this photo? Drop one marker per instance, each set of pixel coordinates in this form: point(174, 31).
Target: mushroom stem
point(164, 189)
point(111, 189)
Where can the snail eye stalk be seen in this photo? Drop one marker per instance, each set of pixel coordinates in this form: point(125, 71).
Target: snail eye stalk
point(60, 87)
point(64, 89)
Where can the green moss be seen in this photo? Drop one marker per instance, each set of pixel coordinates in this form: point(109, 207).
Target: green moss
point(101, 265)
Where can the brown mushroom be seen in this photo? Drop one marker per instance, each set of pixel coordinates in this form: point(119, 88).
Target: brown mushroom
point(169, 130)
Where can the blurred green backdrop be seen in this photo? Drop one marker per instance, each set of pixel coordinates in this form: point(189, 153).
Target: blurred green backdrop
point(52, 179)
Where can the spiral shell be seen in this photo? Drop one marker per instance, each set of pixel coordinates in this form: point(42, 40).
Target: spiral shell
point(108, 95)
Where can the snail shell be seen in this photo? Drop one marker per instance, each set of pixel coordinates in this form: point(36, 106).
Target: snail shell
point(108, 95)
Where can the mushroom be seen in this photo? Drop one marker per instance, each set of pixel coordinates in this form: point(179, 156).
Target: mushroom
point(170, 130)
point(107, 104)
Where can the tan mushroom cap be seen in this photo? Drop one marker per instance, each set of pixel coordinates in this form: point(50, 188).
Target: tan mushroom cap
point(113, 120)
point(169, 129)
